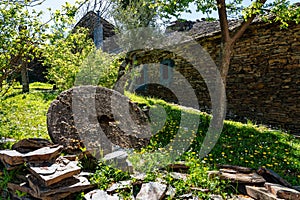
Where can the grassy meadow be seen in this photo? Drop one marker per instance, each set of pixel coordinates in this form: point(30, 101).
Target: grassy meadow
point(250, 145)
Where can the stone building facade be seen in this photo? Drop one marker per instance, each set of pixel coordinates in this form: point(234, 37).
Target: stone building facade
point(263, 82)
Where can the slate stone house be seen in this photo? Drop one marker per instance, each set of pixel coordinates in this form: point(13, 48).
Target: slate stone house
point(263, 83)
point(99, 28)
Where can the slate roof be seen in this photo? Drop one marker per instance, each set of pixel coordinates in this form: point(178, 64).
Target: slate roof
point(207, 28)
point(89, 21)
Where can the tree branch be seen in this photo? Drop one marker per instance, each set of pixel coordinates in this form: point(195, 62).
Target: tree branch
point(246, 23)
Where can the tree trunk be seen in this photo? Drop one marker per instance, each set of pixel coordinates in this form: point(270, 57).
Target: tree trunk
point(224, 61)
point(25, 78)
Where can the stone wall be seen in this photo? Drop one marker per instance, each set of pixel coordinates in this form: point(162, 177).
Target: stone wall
point(264, 78)
point(263, 83)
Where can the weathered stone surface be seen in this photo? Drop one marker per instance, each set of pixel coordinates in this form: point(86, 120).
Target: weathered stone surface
point(49, 174)
point(119, 160)
point(152, 191)
point(252, 178)
point(272, 177)
point(242, 197)
point(282, 192)
point(178, 176)
point(99, 194)
point(119, 185)
point(13, 157)
point(70, 185)
point(233, 169)
point(96, 118)
point(261, 79)
point(171, 192)
point(24, 187)
point(189, 196)
point(260, 193)
point(31, 144)
point(215, 197)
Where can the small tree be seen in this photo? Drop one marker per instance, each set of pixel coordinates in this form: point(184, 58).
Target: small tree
point(281, 10)
point(20, 34)
point(24, 37)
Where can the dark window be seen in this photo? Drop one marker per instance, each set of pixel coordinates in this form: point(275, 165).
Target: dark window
point(166, 71)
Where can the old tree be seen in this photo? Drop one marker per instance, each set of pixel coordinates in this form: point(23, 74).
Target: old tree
point(25, 38)
point(276, 11)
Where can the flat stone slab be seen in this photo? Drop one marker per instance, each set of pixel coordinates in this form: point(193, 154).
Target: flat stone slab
point(119, 186)
point(237, 169)
point(31, 144)
point(260, 193)
point(252, 178)
point(99, 194)
point(54, 173)
point(69, 185)
point(272, 177)
point(282, 192)
point(96, 118)
point(152, 191)
point(13, 157)
point(77, 184)
point(179, 176)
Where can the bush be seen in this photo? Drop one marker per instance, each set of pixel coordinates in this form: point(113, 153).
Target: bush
point(99, 68)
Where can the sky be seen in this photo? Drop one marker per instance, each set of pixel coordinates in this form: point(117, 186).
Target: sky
point(56, 4)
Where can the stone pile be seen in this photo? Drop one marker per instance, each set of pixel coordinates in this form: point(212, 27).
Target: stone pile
point(258, 184)
point(47, 175)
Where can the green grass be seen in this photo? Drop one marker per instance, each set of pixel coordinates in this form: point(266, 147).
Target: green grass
point(246, 145)
point(249, 145)
point(24, 115)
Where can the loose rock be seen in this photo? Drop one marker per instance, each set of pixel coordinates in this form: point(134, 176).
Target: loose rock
point(96, 118)
point(152, 191)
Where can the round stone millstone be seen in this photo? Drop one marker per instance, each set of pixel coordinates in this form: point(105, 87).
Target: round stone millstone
point(98, 119)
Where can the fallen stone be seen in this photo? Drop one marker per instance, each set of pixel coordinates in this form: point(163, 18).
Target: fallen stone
point(187, 196)
point(99, 194)
point(282, 192)
point(171, 192)
point(49, 174)
point(152, 191)
point(242, 197)
point(71, 157)
point(31, 144)
point(119, 186)
point(230, 171)
point(103, 117)
point(13, 157)
point(260, 193)
point(245, 170)
point(73, 184)
point(215, 197)
point(118, 159)
point(272, 177)
point(24, 187)
point(139, 176)
point(115, 157)
point(178, 176)
point(252, 178)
